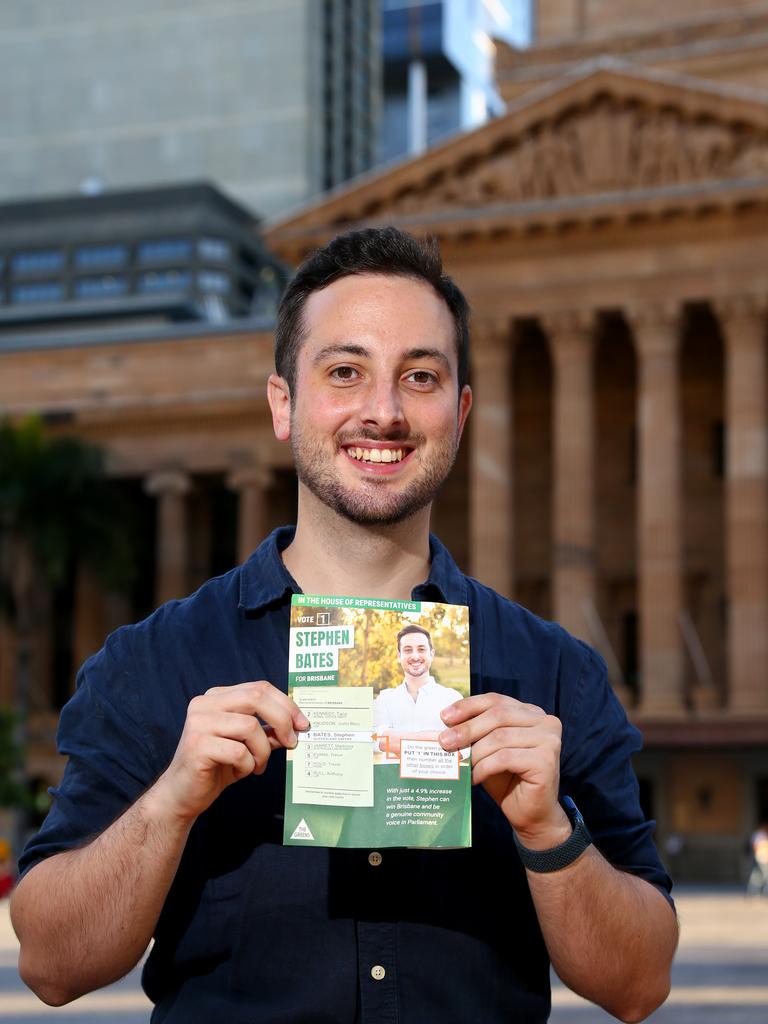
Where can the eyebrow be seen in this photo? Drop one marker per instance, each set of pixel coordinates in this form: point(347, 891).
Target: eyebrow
point(347, 349)
point(351, 349)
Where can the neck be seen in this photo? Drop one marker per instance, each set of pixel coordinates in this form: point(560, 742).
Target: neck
point(414, 685)
point(331, 555)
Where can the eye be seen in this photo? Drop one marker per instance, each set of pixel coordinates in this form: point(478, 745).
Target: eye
point(423, 378)
point(344, 373)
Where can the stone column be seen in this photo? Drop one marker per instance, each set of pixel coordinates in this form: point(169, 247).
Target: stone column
point(251, 484)
point(656, 330)
point(170, 487)
point(574, 588)
point(491, 497)
point(743, 322)
point(89, 625)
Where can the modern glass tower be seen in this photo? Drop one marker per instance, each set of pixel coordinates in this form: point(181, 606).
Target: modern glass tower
point(438, 67)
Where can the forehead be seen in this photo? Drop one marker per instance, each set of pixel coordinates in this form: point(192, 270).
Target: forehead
point(414, 640)
point(382, 310)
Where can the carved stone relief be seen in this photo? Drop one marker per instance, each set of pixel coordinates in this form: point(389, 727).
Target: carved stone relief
point(612, 146)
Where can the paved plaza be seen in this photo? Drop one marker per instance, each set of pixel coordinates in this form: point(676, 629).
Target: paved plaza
point(720, 976)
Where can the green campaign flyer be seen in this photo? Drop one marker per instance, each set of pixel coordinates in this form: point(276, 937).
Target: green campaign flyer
point(372, 677)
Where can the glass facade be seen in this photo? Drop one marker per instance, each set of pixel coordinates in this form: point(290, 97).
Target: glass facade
point(100, 257)
point(104, 287)
point(164, 250)
point(37, 261)
point(37, 291)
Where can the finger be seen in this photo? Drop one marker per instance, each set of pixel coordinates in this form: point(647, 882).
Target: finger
point(515, 738)
point(227, 724)
point(262, 699)
point(497, 716)
point(244, 729)
point(235, 725)
point(260, 748)
point(527, 763)
point(250, 738)
point(470, 707)
point(248, 698)
point(219, 752)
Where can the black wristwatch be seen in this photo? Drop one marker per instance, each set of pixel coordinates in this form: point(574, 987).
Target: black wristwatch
point(564, 854)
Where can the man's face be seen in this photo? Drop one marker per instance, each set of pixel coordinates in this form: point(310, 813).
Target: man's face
point(415, 655)
point(376, 417)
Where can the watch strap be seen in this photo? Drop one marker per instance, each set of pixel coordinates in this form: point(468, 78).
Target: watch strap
point(558, 857)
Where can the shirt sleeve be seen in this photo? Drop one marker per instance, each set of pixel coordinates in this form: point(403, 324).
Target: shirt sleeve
point(382, 714)
point(596, 769)
point(110, 762)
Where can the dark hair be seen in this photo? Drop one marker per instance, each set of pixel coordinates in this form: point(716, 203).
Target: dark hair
point(384, 250)
point(412, 628)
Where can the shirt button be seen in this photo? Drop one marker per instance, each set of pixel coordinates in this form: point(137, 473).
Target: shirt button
point(374, 859)
point(377, 972)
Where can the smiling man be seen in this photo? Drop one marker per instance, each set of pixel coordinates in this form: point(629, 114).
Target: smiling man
point(168, 822)
point(412, 710)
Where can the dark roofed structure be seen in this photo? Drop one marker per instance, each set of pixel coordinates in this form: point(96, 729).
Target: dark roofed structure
point(146, 257)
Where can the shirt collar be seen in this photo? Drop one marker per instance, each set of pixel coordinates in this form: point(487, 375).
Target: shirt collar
point(445, 583)
point(430, 684)
point(264, 578)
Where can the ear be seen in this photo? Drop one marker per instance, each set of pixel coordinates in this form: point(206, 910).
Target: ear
point(465, 404)
point(279, 398)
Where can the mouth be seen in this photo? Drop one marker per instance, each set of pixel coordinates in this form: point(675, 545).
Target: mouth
point(377, 455)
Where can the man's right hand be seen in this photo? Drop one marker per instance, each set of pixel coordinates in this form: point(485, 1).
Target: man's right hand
point(229, 733)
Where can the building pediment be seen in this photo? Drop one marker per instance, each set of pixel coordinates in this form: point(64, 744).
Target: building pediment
point(605, 133)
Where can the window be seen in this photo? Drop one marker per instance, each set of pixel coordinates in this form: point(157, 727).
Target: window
point(100, 287)
point(164, 250)
point(37, 261)
point(217, 250)
point(39, 291)
point(101, 257)
point(213, 281)
point(157, 281)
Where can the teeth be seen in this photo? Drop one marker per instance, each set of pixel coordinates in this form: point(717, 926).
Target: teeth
point(376, 454)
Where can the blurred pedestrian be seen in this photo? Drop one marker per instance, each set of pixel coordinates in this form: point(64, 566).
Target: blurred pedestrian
point(758, 876)
point(7, 876)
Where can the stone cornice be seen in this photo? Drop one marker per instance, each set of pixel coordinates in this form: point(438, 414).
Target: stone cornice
point(500, 221)
point(568, 324)
point(603, 144)
point(138, 413)
point(690, 731)
point(718, 31)
point(738, 309)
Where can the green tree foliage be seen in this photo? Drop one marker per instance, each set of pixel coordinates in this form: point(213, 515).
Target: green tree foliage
point(57, 509)
point(56, 502)
point(374, 662)
point(12, 792)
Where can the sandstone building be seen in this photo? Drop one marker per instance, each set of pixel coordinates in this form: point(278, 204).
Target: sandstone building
point(611, 231)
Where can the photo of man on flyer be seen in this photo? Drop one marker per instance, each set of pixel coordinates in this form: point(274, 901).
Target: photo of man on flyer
point(412, 709)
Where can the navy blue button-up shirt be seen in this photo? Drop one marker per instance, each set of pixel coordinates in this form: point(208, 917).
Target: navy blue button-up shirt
point(255, 931)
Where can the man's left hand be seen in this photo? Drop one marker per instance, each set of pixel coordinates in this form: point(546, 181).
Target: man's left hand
point(516, 756)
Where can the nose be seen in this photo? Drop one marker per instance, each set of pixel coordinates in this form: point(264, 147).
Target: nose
point(383, 406)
